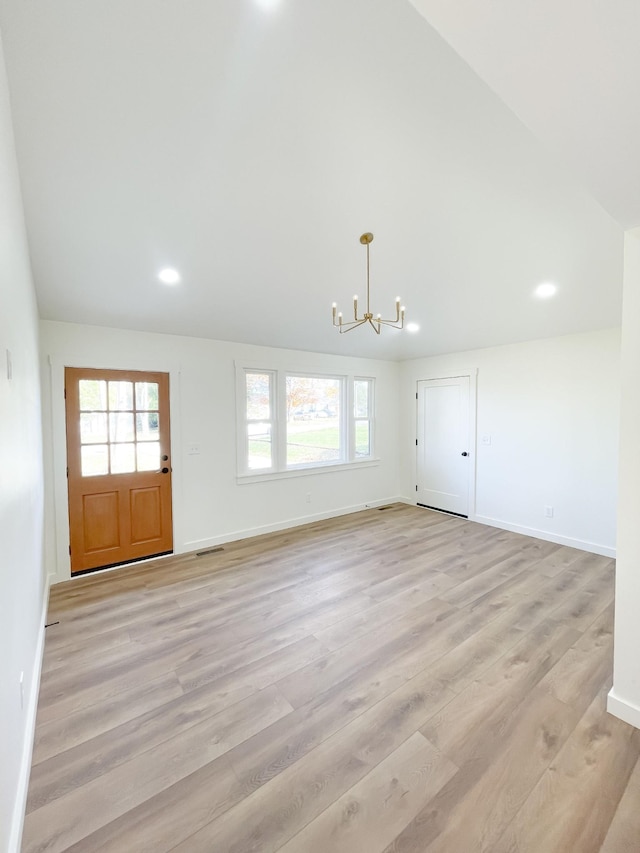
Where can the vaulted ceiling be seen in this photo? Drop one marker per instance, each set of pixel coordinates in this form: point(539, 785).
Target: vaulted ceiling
point(249, 143)
point(570, 71)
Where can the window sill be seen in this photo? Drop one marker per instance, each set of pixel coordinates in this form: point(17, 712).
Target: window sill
point(245, 479)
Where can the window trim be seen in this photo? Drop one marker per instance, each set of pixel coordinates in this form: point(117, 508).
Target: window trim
point(329, 467)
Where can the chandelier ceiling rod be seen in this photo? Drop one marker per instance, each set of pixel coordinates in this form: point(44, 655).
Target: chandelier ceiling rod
point(376, 322)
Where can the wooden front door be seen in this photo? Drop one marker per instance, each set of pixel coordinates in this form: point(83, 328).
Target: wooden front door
point(119, 469)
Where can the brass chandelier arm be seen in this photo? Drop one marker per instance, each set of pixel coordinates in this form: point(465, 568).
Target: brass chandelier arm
point(347, 327)
point(373, 322)
point(376, 322)
point(394, 324)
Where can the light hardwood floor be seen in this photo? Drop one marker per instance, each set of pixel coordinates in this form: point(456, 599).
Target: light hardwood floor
point(394, 680)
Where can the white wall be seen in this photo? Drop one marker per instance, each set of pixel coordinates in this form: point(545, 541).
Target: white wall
point(210, 506)
point(624, 699)
point(22, 586)
point(551, 409)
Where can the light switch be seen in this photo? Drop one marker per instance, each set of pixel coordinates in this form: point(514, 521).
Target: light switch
point(193, 449)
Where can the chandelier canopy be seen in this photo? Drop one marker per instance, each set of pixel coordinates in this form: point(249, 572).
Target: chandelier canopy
point(375, 321)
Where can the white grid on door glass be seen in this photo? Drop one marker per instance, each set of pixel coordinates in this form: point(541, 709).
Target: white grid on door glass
point(119, 427)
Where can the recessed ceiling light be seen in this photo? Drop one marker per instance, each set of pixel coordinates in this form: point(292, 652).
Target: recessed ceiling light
point(268, 4)
point(546, 290)
point(169, 276)
point(413, 327)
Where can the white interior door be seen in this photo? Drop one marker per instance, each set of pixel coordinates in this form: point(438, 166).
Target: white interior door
point(443, 444)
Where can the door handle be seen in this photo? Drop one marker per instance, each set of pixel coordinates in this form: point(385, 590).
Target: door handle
point(464, 453)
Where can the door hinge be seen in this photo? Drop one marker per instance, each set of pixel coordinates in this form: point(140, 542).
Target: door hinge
point(416, 395)
point(67, 473)
point(416, 488)
point(65, 393)
point(69, 550)
point(416, 442)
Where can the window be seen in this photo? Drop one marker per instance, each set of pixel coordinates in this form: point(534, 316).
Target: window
point(119, 427)
point(362, 416)
point(314, 436)
point(294, 421)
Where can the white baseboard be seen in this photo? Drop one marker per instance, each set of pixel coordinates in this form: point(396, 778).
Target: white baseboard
point(593, 547)
point(625, 711)
point(212, 542)
point(582, 545)
point(17, 823)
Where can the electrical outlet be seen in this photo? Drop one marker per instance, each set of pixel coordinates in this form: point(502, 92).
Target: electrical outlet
point(486, 439)
point(548, 512)
point(193, 449)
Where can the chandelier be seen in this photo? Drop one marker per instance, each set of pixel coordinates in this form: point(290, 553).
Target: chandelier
point(376, 322)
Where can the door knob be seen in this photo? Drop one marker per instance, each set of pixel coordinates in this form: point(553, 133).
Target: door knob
point(464, 453)
point(165, 457)
point(164, 471)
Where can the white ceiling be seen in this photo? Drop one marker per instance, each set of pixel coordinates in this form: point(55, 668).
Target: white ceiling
point(570, 70)
point(251, 148)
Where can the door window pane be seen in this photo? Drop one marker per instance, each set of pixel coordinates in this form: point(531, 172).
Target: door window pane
point(259, 441)
point(123, 458)
point(93, 428)
point(147, 426)
point(146, 395)
point(94, 459)
point(149, 456)
point(116, 415)
point(93, 394)
point(121, 427)
point(120, 396)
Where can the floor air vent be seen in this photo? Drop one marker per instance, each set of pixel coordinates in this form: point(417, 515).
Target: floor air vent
point(208, 551)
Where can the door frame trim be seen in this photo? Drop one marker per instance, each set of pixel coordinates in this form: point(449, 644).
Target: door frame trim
point(58, 526)
point(472, 374)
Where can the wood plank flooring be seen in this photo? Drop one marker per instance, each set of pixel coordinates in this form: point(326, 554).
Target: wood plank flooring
point(394, 680)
